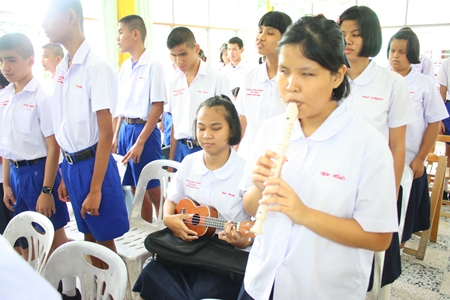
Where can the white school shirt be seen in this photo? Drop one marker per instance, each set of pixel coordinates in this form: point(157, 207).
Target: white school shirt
point(425, 66)
point(89, 85)
point(258, 100)
point(140, 87)
point(236, 74)
point(18, 280)
point(380, 97)
point(343, 169)
point(218, 188)
point(429, 108)
point(26, 121)
point(443, 77)
point(184, 100)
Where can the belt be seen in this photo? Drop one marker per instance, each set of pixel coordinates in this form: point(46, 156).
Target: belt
point(23, 163)
point(134, 120)
point(190, 143)
point(80, 155)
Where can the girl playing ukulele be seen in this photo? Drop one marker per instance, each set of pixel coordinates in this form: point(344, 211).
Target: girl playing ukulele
point(211, 177)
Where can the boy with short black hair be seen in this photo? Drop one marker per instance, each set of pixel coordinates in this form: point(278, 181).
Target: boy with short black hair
point(192, 83)
point(236, 69)
point(27, 141)
point(142, 95)
point(84, 96)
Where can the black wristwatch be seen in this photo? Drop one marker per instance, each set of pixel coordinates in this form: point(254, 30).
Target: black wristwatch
point(47, 189)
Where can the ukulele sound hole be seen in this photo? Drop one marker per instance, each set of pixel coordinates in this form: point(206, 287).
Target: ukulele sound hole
point(195, 219)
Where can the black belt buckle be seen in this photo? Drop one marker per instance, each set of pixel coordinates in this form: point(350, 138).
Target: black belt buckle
point(15, 163)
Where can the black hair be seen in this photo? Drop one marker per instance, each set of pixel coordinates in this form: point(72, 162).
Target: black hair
point(65, 5)
point(3, 81)
point(369, 27)
point(236, 40)
point(17, 42)
point(276, 19)
point(135, 22)
point(413, 44)
point(223, 48)
point(320, 40)
point(202, 55)
point(230, 115)
point(179, 36)
point(55, 49)
point(235, 91)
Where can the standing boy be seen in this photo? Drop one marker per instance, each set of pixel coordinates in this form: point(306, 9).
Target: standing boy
point(84, 95)
point(52, 55)
point(236, 69)
point(142, 95)
point(27, 141)
point(192, 83)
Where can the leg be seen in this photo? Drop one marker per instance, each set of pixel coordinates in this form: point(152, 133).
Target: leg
point(155, 196)
point(147, 207)
point(59, 239)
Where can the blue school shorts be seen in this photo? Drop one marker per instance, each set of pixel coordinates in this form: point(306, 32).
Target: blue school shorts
point(447, 120)
point(152, 151)
point(182, 151)
point(26, 183)
point(112, 221)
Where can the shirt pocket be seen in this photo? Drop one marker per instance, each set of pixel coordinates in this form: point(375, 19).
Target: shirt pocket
point(25, 119)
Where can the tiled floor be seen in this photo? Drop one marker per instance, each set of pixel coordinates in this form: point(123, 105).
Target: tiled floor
point(430, 278)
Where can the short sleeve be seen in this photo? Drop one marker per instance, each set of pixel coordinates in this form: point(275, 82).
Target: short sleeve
point(104, 88)
point(434, 107)
point(175, 190)
point(375, 207)
point(442, 76)
point(158, 92)
point(401, 111)
point(44, 110)
point(223, 86)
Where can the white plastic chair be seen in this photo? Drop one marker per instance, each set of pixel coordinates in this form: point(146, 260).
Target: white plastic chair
point(39, 243)
point(131, 245)
point(70, 260)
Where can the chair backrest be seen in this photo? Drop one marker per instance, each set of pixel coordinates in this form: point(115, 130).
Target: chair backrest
point(73, 259)
point(38, 230)
point(153, 170)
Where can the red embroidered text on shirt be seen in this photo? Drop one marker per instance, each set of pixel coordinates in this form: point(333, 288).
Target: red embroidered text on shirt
point(78, 86)
point(142, 78)
point(202, 92)
point(193, 184)
point(60, 79)
point(337, 176)
point(4, 102)
point(229, 194)
point(28, 105)
point(178, 92)
point(373, 98)
point(254, 92)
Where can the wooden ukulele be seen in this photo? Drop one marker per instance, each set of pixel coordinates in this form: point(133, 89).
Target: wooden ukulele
point(205, 219)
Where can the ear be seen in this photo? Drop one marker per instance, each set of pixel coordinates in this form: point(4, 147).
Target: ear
point(136, 34)
point(58, 59)
point(197, 48)
point(30, 61)
point(242, 49)
point(73, 17)
point(339, 76)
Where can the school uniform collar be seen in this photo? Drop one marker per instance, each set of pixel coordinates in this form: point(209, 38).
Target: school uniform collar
point(262, 75)
point(143, 60)
point(30, 87)
point(411, 77)
point(241, 64)
point(335, 122)
point(81, 54)
point(367, 75)
point(224, 172)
